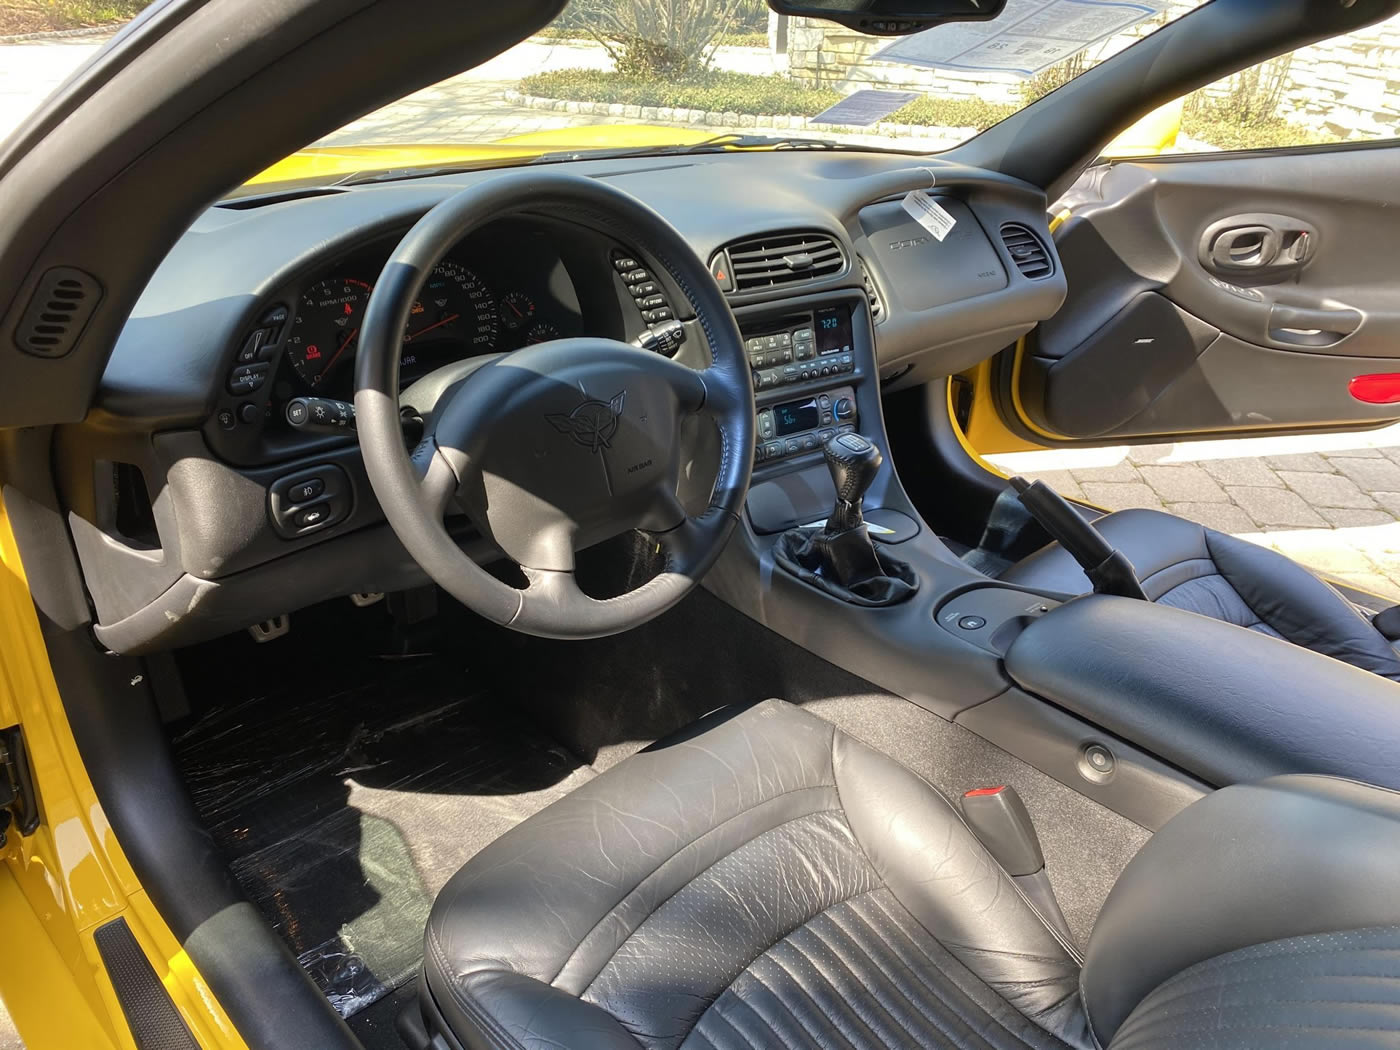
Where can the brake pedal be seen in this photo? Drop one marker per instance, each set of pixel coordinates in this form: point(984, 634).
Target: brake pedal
point(1000, 820)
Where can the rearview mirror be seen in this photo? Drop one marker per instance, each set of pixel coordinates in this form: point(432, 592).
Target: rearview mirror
point(891, 17)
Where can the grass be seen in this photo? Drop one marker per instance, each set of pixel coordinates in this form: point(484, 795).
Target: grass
point(1224, 132)
point(714, 91)
point(745, 93)
point(38, 16)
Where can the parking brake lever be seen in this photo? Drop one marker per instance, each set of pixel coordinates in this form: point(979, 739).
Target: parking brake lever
point(1107, 568)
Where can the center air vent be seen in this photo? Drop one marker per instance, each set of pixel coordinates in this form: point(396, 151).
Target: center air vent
point(1027, 252)
point(784, 258)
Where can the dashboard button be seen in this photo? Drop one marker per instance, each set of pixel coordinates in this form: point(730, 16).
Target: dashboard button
point(249, 353)
point(227, 419)
point(773, 450)
point(313, 516)
point(651, 302)
point(972, 623)
point(719, 270)
point(275, 318)
point(652, 316)
point(645, 288)
point(249, 412)
point(623, 263)
point(793, 447)
point(298, 412)
point(305, 491)
point(636, 276)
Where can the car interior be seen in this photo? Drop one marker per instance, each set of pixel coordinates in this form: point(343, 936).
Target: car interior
point(556, 605)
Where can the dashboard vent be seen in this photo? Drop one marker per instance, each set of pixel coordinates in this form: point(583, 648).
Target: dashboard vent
point(872, 294)
point(1027, 252)
point(58, 313)
point(784, 258)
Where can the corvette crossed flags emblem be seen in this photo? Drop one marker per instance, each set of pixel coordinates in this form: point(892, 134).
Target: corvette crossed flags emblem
point(593, 423)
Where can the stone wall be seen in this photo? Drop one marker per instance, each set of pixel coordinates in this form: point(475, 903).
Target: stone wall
point(1348, 87)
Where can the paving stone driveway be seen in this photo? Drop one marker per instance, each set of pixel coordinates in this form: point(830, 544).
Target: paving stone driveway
point(1331, 502)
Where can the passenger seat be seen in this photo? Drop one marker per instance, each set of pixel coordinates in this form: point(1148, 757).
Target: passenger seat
point(1191, 567)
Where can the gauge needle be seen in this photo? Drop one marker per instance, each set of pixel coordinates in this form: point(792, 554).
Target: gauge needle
point(414, 335)
point(336, 356)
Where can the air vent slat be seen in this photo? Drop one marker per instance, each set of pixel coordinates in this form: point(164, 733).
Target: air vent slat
point(57, 312)
point(872, 294)
point(1026, 251)
point(784, 258)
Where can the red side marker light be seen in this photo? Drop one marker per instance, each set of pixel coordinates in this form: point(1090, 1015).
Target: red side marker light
point(1381, 389)
point(984, 791)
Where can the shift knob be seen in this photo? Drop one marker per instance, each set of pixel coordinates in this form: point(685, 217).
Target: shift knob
point(853, 462)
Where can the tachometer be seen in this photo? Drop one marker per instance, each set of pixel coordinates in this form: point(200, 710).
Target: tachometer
point(455, 305)
point(322, 340)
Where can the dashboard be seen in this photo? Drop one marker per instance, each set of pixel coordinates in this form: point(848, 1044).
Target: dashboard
point(198, 507)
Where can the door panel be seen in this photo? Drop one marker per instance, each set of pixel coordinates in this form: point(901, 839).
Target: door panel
point(1220, 294)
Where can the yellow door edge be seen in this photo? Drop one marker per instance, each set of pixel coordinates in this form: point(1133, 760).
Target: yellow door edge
point(59, 885)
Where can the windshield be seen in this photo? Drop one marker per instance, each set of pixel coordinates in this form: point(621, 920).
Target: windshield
point(651, 74)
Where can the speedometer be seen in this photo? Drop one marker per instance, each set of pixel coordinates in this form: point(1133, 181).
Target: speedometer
point(454, 305)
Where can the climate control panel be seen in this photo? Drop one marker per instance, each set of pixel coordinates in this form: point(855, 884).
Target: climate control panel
point(815, 344)
point(804, 424)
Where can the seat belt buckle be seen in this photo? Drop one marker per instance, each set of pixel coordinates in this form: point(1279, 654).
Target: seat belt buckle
point(1001, 821)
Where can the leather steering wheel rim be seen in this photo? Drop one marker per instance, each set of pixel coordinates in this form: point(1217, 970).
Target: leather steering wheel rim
point(458, 460)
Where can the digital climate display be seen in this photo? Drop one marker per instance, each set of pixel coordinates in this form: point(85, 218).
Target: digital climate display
point(792, 417)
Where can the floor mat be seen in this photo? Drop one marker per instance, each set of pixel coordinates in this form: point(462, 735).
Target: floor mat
point(343, 812)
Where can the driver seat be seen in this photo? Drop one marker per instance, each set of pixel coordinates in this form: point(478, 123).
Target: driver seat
point(764, 880)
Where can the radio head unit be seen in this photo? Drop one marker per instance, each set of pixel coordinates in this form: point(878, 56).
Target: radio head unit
point(801, 346)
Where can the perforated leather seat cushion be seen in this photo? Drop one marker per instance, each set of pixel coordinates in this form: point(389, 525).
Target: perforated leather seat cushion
point(1191, 567)
point(769, 882)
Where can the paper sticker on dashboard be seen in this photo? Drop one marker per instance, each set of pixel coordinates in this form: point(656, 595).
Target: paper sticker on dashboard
point(929, 213)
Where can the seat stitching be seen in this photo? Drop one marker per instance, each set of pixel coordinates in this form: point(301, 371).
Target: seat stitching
point(1156, 1015)
point(836, 994)
point(488, 1022)
point(793, 1013)
point(636, 887)
point(959, 1009)
point(1185, 976)
point(751, 1009)
point(762, 952)
point(895, 919)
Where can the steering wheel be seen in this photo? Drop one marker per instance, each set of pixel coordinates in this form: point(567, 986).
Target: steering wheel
point(560, 445)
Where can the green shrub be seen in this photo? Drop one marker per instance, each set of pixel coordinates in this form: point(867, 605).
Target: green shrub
point(713, 91)
point(952, 113)
point(666, 38)
point(1225, 132)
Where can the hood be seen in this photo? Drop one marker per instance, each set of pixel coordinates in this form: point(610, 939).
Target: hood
point(328, 163)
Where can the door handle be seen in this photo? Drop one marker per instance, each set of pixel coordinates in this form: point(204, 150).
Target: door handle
point(1245, 247)
point(1312, 326)
point(1259, 244)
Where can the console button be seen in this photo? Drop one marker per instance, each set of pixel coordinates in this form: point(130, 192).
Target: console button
point(824, 400)
point(809, 442)
point(826, 435)
point(765, 424)
point(792, 447)
point(643, 289)
point(845, 408)
point(636, 276)
point(802, 335)
point(653, 316)
point(784, 338)
point(248, 412)
point(651, 302)
point(623, 263)
point(227, 420)
point(754, 346)
point(972, 623)
point(719, 270)
point(774, 450)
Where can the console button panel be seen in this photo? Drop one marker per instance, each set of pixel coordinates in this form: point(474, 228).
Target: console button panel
point(815, 344)
point(309, 500)
point(804, 424)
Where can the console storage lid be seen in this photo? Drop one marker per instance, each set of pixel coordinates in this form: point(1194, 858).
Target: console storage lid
point(1222, 702)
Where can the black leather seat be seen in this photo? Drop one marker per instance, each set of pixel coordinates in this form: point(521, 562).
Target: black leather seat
point(1191, 567)
point(763, 880)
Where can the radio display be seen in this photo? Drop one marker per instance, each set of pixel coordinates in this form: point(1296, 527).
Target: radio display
point(833, 328)
point(792, 417)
